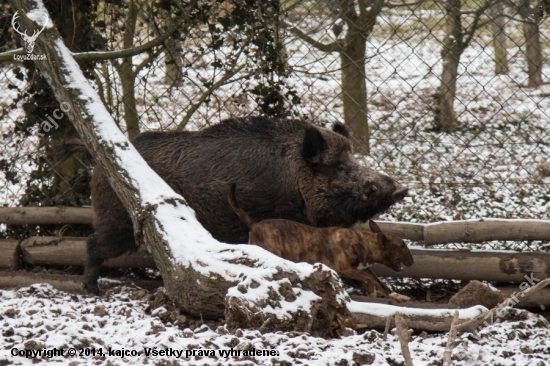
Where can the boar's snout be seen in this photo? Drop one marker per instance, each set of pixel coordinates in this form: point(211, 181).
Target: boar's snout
point(399, 193)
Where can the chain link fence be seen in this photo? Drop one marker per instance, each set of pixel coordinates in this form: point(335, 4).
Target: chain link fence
point(450, 97)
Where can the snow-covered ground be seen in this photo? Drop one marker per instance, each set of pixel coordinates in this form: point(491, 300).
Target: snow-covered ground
point(40, 317)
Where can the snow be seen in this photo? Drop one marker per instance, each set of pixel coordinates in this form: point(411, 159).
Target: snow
point(40, 15)
point(383, 310)
point(38, 317)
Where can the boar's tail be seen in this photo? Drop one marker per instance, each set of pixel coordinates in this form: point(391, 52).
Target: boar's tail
point(239, 211)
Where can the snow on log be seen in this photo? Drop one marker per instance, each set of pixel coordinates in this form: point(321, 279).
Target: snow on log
point(248, 285)
point(45, 215)
point(437, 320)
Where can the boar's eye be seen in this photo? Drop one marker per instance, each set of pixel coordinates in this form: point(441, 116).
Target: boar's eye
point(340, 167)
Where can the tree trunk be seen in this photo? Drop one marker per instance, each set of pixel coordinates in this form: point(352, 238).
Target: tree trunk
point(360, 22)
point(173, 63)
point(498, 26)
point(250, 286)
point(533, 49)
point(127, 77)
point(354, 90)
point(451, 52)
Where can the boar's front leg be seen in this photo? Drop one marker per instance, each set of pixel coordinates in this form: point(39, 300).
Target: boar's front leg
point(387, 292)
point(368, 279)
point(372, 283)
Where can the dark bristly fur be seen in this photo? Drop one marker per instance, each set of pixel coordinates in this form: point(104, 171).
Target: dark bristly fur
point(286, 168)
point(347, 251)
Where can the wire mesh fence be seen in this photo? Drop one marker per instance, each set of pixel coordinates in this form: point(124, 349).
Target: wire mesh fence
point(450, 97)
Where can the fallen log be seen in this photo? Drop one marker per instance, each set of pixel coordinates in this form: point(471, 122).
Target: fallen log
point(63, 282)
point(71, 251)
point(538, 299)
point(10, 253)
point(434, 320)
point(499, 266)
point(465, 231)
point(46, 215)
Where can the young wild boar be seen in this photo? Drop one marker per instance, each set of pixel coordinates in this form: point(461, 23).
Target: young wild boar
point(347, 251)
point(287, 169)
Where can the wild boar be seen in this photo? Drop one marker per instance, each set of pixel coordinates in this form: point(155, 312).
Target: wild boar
point(287, 168)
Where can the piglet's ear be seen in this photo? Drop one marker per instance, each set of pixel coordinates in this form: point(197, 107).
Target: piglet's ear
point(374, 227)
point(339, 128)
point(314, 145)
point(382, 240)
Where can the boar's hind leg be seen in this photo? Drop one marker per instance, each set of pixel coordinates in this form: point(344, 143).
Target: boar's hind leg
point(101, 249)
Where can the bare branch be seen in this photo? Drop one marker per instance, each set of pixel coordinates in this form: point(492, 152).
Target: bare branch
point(475, 24)
point(145, 61)
point(225, 79)
point(392, 5)
point(447, 361)
point(331, 47)
point(389, 321)
point(100, 56)
point(404, 337)
point(9, 56)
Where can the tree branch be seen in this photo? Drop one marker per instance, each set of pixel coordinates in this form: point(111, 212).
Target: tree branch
point(447, 361)
point(108, 55)
point(225, 78)
point(404, 338)
point(331, 47)
point(391, 5)
point(474, 26)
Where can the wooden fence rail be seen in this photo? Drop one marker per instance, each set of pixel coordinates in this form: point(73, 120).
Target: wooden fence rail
point(46, 215)
point(465, 231)
point(500, 266)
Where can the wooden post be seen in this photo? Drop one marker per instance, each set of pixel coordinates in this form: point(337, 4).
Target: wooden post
point(10, 254)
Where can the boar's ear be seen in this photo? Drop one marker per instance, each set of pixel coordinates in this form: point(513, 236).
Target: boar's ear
point(314, 145)
point(374, 227)
point(340, 129)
